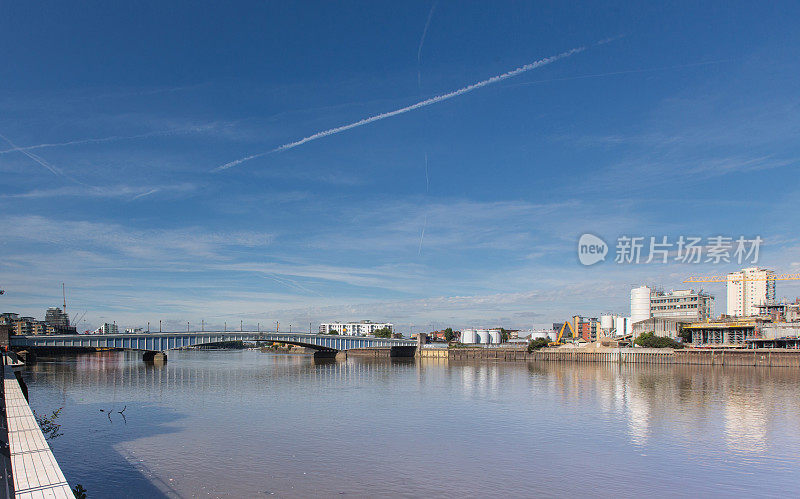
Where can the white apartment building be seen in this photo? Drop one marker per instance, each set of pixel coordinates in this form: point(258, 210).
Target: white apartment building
point(748, 289)
point(107, 329)
point(682, 304)
point(361, 328)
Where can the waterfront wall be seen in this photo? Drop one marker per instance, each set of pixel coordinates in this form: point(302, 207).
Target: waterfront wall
point(767, 358)
point(383, 352)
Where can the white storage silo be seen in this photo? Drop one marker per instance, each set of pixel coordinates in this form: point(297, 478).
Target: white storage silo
point(640, 304)
point(607, 322)
point(483, 336)
point(495, 336)
point(538, 335)
point(623, 326)
point(469, 336)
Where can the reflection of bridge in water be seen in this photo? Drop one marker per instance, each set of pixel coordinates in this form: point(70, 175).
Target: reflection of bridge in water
point(154, 344)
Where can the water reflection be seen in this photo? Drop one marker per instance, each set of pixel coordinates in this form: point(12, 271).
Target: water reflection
point(245, 423)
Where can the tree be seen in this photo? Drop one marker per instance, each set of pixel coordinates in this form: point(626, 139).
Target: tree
point(650, 340)
point(449, 335)
point(503, 335)
point(48, 424)
point(686, 335)
point(383, 332)
point(538, 344)
point(79, 491)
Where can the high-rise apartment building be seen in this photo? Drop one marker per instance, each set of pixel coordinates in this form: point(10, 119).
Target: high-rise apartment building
point(56, 317)
point(749, 289)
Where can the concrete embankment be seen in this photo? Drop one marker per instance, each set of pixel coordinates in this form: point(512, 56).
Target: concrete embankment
point(727, 357)
point(383, 352)
point(34, 471)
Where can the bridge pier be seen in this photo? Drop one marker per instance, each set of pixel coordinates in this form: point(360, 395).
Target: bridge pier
point(150, 356)
point(330, 354)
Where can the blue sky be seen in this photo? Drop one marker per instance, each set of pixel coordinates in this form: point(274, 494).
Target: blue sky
point(674, 119)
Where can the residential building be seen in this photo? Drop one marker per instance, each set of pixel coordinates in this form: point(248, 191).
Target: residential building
point(107, 329)
point(585, 327)
point(56, 317)
point(362, 328)
point(8, 319)
point(25, 325)
point(748, 289)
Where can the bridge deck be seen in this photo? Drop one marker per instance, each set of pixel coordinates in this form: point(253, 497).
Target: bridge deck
point(35, 470)
point(169, 341)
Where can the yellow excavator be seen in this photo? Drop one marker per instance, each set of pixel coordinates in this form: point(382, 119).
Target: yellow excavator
point(567, 324)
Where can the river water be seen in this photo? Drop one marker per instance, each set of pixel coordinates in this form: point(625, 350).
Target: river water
point(253, 424)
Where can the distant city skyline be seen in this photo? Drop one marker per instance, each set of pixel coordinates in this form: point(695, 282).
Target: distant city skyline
point(431, 167)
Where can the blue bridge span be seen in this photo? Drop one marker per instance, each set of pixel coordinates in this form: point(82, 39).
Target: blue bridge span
point(161, 342)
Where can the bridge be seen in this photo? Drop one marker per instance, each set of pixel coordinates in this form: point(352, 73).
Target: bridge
point(156, 343)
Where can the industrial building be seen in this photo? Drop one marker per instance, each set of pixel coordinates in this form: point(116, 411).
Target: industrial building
point(612, 326)
point(481, 336)
point(749, 289)
point(659, 326)
point(781, 312)
point(725, 333)
point(362, 328)
point(683, 304)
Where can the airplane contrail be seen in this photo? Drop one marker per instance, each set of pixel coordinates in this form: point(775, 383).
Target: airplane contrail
point(422, 235)
point(100, 140)
point(412, 107)
point(421, 42)
point(54, 170)
point(138, 196)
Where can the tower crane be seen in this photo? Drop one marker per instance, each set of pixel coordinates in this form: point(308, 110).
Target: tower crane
point(743, 278)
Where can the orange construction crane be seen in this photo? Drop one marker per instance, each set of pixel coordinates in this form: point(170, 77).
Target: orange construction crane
point(561, 333)
point(744, 278)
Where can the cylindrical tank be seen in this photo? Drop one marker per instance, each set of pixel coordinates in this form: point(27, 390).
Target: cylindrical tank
point(607, 322)
point(538, 335)
point(622, 325)
point(469, 336)
point(495, 336)
point(640, 304)
point(483, 336)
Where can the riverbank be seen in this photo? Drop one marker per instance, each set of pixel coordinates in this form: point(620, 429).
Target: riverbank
point(760, 357)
